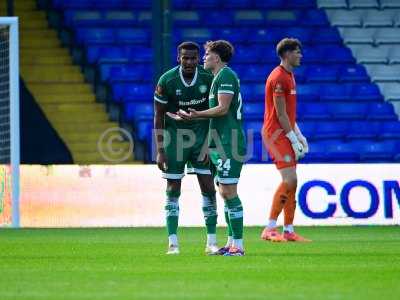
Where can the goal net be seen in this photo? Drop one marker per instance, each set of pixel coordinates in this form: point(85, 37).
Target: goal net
point(9, 122)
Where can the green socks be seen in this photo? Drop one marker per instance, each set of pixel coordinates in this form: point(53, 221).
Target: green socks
point(210, 212)
point(172, 211)
point(235, 212)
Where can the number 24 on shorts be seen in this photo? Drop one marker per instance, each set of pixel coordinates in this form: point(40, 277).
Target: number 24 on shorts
point(224, 166)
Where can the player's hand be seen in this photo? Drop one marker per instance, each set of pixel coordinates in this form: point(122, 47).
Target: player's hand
point(162, 161)
point(303, 141)
point(299, 150)
point(297, 146)
point(175, 116)
point(186, 115)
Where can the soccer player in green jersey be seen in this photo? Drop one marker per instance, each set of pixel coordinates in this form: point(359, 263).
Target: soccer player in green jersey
point(178, 143)
point(227, 143)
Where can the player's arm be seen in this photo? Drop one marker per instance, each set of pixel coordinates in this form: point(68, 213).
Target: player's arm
point(160, 109)
point(280, 107)
point(224, 101)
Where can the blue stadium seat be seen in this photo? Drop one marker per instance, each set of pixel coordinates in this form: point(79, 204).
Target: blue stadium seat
point(126, 73)
point(259, 92)
point(315, 18)
point(253, 111)
point(186, 18)
point(112, 54)
point(337, 55)
point(81, 18)
point(139, 54)
point(87, 36)
point(132, 36)
point(331, 130)
point(307, 128)
point(300, 74)
point(255, 73)
point(143, 129)
point(378, 151)
point(270, 4)
point(254, 128)
point(337, 151)
point(381, 111)
point(109, 4)
point(65, 4)
point(235, 36)
point(335, 92)
point(246, 90)
point(353, 73)
point(307, 92)
point(313, 111)
point(321, 73)
point(120, 18)
point(268, 55)
point(282, 17)
point(237, 4)
point(247, 55)
point(259, 36)
point(248, 18)
point(363, 130)
point(199, 35)
point(216, 19)
point(365, 92)
point(329, 35)
point(311, 55)
point(204, 4)
point(301, 4)
point(316, 152)
point(142, 4)
point(180, 4)
point(348, 110)
point(122, 92)
point(304, 34)
point(138, 111)
point(390, 130)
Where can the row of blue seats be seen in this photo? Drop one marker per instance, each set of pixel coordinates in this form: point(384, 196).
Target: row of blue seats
point(184, 4)
point(347, 130)
point(337, 151)
point(244, 55)
point(120, 70)
point(227, 18)
point(359, 92)
point(127, 35)
point(311, 111)
point(332, 111)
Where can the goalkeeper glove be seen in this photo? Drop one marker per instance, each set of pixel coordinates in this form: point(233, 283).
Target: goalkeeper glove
point(298, 147)
point(301, 138)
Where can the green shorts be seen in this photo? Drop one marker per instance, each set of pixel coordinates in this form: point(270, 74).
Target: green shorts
point(226, 167)
point(182, 150)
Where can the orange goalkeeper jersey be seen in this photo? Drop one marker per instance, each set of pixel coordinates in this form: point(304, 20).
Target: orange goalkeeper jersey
point(279, 83)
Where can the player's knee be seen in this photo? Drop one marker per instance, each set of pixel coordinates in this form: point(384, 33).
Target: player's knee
point(227, 194)
point(291, 183)
point(173, 186)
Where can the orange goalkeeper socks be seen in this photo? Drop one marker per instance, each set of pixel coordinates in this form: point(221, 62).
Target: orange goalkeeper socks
point(281, 196)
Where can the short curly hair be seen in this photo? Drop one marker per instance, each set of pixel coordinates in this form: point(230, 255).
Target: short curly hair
point(223, 48)
point(287, 44)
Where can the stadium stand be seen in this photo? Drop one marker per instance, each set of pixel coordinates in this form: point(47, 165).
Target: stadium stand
point(349, 61)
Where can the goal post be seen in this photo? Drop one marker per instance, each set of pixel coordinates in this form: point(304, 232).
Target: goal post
point(9, 122)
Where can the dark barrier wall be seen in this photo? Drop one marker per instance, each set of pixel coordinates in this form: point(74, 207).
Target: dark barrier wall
point(40, 143)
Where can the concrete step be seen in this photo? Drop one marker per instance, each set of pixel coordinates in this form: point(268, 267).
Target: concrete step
point(85, 127)
point(58, 51)
point(66, 98)
point(41, 88)
point(74, 108)
point(69, 117)
point(49, 74)
point(45, 60)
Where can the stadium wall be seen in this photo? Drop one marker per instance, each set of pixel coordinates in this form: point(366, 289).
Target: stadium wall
point(127, 195)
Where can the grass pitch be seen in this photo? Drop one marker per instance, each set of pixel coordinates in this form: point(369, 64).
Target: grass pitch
point(341, 263)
